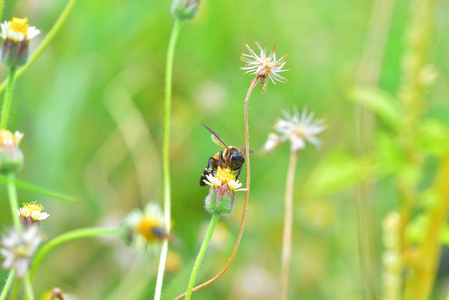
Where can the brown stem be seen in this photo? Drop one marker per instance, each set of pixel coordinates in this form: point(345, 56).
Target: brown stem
point(245, 207)
point(288, 225)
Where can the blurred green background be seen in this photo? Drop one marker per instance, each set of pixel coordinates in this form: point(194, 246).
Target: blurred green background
point(91, 109)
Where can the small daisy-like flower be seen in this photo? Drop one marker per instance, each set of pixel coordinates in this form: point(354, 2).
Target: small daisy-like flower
point(18, 30)
point(31, 213)
point(11, 157)
point(18, 248)
point(16, 35)
point(146, 228)
point(297, 129)
point(223, 185)
point(9, 139)
point(263, 66)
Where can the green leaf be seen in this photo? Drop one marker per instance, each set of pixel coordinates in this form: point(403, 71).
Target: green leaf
point(379, 102)
point(37, 189)
point(434, 137)
point(388, 154)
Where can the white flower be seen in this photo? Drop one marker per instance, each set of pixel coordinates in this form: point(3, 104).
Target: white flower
point(212, 181)
point(18, 248)
point(147, 227)
point(264, 66)
point(297, 129)
point(18, 30)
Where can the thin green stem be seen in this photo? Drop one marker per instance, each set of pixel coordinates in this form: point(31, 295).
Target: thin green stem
point(7, 99)
point(166, 151)
point(288, 225)
point(199, 258)
point(8, 283)
point(28, 287)
point(48, 38)
point(12, 197)
point(67, 237)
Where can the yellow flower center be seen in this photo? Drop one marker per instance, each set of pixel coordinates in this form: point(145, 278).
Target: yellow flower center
point(19, 25)
point(33, 206)
point(7, 138)
point(146, 226)
point(224, 175)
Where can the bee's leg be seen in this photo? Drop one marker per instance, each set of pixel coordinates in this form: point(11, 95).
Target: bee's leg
point(221, 159)
point(238, 174)
point(209, 170)
point(210, 165)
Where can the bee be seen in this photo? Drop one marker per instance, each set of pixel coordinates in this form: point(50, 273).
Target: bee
point(232, 158)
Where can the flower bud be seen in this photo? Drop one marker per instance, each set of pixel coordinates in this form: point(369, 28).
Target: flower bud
point(220, 199)
point(11, 157)
point(16, 35)
point(185, 9)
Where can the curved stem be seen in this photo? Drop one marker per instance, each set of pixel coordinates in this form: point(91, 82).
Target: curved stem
point(199, 258)
point(245, 207)
point(288, 225)
point(7, 99)
point(166, 152)
point(67, 237)
point(8, 283)
point(28, 287)
point(48, 38)
point(12, 197)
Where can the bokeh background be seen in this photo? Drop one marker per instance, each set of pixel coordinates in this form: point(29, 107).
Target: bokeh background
point(91, 109)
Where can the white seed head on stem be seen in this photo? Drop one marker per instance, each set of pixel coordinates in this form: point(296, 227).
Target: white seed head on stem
point(296, 128)
point(264, 66)
point(18, 249)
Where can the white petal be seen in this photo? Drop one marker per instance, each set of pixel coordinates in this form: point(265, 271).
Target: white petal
point(33, 32)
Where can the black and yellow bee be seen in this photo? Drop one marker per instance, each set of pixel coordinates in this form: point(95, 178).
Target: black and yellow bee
point(232, 158)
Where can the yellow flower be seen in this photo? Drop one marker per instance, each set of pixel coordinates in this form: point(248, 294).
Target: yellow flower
point(223, 177)
point(18, 30)
point(9, 139)
point(32, 213)
point(147, 227)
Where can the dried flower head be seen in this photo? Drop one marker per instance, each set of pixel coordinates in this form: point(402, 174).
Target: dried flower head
point(297, 129)
point(223, 185)
point(146, 228)
point(31, 213)
point(16, 34)
point(263, 66)
point(11, 157)
point(18, 248)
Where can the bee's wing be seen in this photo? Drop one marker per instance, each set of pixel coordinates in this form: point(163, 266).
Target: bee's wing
point(216, 138)
point(243, 149)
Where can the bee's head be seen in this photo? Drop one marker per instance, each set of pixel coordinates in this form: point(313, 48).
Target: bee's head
point(236, 159)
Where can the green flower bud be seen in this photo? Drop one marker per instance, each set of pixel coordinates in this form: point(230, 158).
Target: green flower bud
point(220, 199)
point(11, 157)
point(185, 9)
